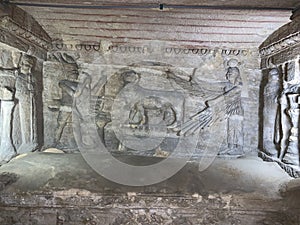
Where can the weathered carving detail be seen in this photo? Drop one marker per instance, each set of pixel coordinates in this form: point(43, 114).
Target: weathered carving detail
point(25, 95)
point(271, 137)
point(130, 49)
point(7, 91)
point(146, 116)
point(7, 149)
point(145, 49)
point(281, 121)
point(184, 51)
point(60, 46)
point(225, 105)
point(146, 101)
point(152, 111)
point(17, 94)
point(68, 88)
point(280, 45)
point(9, 39)
point(292, 152)
point(234, 52)
point(19, 31)
point(111, 89)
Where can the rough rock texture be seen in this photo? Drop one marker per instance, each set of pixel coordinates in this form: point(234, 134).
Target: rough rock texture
point(45, 188)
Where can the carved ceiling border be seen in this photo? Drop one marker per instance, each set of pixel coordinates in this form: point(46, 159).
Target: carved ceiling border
point(145, 49)
point(17, 30)
point(280, 45)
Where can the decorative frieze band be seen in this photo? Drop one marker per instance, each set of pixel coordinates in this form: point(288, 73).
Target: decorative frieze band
point(130, 49)
point(187, 51)
point(59, 46)
point(280, 45)
point(8, 38)
point(143, 49)
point(235, 52)
point(15, 29)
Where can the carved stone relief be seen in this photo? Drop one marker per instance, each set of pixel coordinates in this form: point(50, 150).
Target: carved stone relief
point(280, 57)
point(25, 89)
point(7, 149)
point(63, 104)
point(292, 152)
point(225, 105)
point(18, 107)
point(201, 77)
point(156, 103)
point(150, 112)
point(281, 116)
point(271, 139)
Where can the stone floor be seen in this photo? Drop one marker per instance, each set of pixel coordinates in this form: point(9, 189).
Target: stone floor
point(48, 188)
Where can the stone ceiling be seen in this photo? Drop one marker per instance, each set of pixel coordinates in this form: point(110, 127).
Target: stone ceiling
point(241, 24)
point(291, 4)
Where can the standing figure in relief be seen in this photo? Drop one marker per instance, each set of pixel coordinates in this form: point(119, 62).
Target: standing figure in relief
point(271, 124)
point(68, 88)
point(225, 106)
point(234, 112)
point(26, 105)
point(82, 118)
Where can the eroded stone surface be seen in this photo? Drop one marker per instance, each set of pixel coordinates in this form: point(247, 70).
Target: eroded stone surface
point(229, 192)
point(19, 88)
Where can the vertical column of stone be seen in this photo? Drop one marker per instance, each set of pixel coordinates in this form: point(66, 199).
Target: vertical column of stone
point(8, 65)
point(26, 104)
point(7, 150)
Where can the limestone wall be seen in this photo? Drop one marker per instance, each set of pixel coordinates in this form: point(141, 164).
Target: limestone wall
point(199, 76)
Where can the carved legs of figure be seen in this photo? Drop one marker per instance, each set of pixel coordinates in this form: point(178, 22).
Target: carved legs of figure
point(62, 120)
point(235, 139)
point(7, 150)
point(292, 151)
point(271, 132)
point(29, 142)
point(284, 128)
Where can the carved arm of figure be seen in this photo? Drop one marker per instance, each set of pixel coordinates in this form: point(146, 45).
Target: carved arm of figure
point(68, 86)
point(86, 83)
point(82, 94)
point(217, 109)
